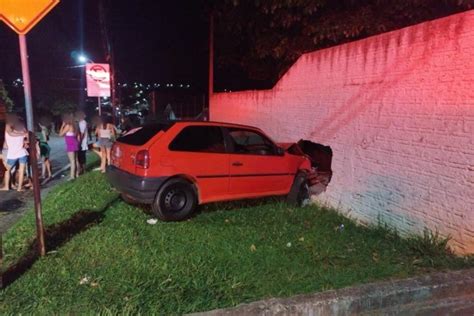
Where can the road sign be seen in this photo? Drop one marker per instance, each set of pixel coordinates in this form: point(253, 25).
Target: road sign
point(22, 15)
point(98, 80)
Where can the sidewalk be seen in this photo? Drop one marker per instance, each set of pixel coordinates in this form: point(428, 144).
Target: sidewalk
point(450, 293)
point(13, 204)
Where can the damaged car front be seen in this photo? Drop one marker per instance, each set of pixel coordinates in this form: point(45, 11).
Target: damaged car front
point(320, 157)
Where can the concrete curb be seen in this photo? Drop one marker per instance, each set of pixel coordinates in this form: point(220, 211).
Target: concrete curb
point(54, 175)
point(427, 294)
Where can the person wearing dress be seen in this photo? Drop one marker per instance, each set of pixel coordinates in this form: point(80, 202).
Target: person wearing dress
point(70, 132)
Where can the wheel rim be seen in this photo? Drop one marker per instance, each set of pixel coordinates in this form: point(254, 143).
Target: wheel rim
point(175, 200)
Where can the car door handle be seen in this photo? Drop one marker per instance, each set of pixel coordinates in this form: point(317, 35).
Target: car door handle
point(237, 164)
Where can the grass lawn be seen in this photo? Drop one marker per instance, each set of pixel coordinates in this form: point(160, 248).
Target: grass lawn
point(228, 254)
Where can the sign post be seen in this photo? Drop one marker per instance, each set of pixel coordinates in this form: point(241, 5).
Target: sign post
point(22, 16)
point(98, 81)
point(32, 142)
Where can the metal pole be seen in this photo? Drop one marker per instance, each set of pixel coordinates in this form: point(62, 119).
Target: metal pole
point(32, 139)
point(100, 110)
point(211, 58)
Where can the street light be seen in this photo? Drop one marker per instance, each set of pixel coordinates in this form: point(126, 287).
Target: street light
point(83, 59)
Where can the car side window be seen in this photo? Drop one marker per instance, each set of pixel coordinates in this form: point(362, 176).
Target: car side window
point(207, 139)
point(251, 142)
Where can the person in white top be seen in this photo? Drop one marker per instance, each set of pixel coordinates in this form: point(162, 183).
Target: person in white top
point(10, 120)
point(83, 142)
point(15, 136)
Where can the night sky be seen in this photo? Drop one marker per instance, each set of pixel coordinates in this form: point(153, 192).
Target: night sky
point(154, 41)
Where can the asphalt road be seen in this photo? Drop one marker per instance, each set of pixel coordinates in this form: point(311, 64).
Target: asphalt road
point(14, 204)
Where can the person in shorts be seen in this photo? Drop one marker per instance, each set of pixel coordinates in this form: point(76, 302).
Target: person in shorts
point(105, 133)
point(15, 138)
point(42, 137)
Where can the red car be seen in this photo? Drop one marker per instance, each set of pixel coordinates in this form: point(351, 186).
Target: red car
point(179, 165)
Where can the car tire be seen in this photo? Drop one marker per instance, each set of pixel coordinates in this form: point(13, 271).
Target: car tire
point(176, 200)
point(299, 191)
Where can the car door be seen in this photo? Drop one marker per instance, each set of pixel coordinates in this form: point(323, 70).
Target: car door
point(199, 151)
point(256, 168)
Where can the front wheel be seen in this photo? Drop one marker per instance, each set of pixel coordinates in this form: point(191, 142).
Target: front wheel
point(299, 192)
point(175, 201)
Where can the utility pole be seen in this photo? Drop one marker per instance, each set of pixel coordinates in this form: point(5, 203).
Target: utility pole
point(211, 55)
point(107, 44)
point(211, 60)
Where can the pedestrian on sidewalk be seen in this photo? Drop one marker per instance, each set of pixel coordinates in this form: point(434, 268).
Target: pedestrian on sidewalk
point(15, 137)
point(105, 133)
point(83, 142)
point(42, 136)
point(10, 121)
point(70, 132)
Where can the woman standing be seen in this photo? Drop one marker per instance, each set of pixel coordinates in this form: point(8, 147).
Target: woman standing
point(70, 132)
point(14, 152)
point(43, 137)
point(10, 121)
point(104, 133)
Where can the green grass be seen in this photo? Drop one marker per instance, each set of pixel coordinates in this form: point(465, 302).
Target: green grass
point(227, 255)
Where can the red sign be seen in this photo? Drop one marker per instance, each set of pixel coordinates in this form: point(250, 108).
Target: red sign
point(22, 15)
point(98, 80)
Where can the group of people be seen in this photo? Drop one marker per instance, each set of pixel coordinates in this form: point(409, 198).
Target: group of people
point(78, 140)
point(75, 130)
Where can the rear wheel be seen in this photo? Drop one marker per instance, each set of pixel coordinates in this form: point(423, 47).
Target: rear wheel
point(299, 192)
point(176, 200)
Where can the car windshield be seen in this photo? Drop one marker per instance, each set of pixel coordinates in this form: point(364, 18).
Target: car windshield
point(140, 135)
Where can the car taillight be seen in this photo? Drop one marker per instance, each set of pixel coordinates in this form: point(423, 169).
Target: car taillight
point(142, 159)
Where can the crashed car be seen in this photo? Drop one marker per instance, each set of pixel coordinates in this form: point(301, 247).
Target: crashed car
point(179, 165)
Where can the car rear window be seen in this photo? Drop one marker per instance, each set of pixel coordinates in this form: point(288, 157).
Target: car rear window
point(141, 135)
point(206, 139)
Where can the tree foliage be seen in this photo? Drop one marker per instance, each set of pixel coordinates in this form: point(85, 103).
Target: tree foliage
point(61, 106)
point(5, 101)
point(264, 37)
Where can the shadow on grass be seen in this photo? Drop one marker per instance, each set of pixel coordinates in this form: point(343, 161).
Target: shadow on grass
point(239, 204)
point(56, 235)
point(217, 206)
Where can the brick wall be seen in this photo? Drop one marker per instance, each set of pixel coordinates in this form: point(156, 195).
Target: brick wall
point(397, 110)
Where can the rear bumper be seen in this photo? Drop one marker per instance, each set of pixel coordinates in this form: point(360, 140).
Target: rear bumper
point(140, 189)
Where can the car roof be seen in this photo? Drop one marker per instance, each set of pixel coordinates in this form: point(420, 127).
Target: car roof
point(213, 123)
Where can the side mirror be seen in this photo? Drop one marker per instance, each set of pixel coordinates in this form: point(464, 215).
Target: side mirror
point(280, 151)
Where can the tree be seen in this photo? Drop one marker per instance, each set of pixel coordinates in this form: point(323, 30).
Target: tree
point(62, 105)
point(5, 101)
point(264, 38)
